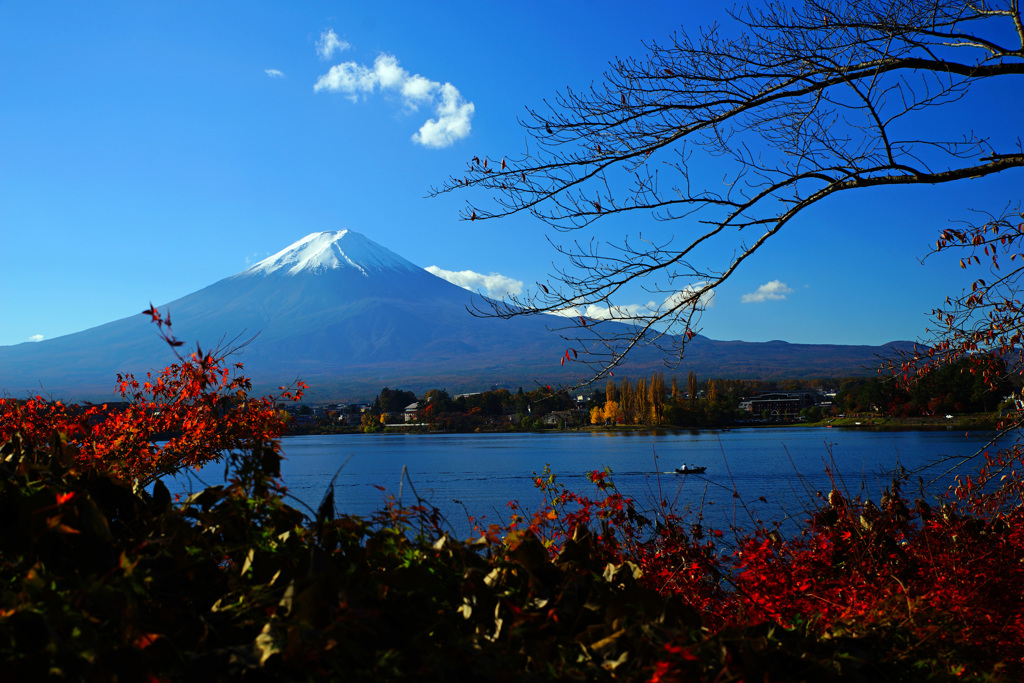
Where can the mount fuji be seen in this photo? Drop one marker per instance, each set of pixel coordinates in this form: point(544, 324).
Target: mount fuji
point(349, 317)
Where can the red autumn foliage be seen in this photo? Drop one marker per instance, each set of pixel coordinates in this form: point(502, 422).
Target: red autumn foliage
point(940, 585)
point(192, 412)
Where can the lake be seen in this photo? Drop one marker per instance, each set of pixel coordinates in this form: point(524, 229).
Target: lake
point(482, 472)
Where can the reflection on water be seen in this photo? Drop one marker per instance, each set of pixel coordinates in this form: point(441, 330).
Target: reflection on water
point(480, 473)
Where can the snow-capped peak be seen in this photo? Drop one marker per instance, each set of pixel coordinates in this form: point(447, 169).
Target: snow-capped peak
point(322, 251)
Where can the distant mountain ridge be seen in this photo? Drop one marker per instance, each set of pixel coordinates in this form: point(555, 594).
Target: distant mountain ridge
point(349, 317)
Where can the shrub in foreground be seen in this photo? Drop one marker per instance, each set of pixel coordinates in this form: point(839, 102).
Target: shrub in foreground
point(101, 581)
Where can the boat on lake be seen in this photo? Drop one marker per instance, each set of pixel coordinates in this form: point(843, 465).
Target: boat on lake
point(690, 469)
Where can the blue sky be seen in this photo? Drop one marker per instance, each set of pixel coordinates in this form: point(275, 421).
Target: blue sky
point(150, 149)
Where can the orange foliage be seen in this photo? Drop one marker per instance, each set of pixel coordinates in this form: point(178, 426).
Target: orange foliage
point(192, 412)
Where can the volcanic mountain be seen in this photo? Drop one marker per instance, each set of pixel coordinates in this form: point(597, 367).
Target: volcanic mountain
point(349, 317)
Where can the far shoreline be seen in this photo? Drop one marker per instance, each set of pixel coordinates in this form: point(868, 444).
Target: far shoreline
point(983, 422)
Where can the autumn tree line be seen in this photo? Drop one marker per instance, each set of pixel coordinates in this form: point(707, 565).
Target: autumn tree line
point(681, 401)
point(955, 388)
point(653, 403)
point(497, 408)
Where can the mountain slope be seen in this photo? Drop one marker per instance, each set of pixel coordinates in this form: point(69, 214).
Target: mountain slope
point(349, 317)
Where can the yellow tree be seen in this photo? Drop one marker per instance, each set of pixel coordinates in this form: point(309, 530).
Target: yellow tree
point(626, 401)
point(641, 404)
point(656, 398)
point(611, 391)
point(612, 412)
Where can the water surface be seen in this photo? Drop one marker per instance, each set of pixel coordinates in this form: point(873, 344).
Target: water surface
point(480, 473)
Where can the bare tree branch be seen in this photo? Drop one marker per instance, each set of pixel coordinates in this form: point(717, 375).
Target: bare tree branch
point(806, 102)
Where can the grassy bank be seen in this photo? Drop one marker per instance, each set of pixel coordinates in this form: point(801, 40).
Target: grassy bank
point(981, 421)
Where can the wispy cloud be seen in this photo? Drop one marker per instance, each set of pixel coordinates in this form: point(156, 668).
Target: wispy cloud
point(453, 114)
point(36, 338)
point(494, 285)
point(329, 43)
point(609, 312)
point(273, 73)
point(706, 300)
point(606, 311)
point(775, 290)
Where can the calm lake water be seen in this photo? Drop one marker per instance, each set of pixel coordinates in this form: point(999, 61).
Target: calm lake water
point(482, 472)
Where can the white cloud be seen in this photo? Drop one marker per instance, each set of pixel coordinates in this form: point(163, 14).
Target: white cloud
point(631, 311)
point(417, 90)
point(452, 122)
point(273, 73)
point(609, 312)
point(330, 43)
point(706, 300)
point(453, 114)
point(770, 291)
point(494, 285)
point(35, 338)
point(348, 77)
point(627, 312)
point(388, 73)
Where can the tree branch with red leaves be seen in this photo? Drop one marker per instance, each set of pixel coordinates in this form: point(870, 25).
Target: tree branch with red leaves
point(985, 322)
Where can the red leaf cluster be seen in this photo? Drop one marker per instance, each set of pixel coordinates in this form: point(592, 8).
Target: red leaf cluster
point(192, 412)
point(944, 581)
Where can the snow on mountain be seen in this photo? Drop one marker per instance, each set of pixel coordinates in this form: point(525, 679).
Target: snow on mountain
point(321, 251)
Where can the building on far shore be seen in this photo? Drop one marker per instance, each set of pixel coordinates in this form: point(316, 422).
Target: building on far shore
point(563, 419)
point(782, 404)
